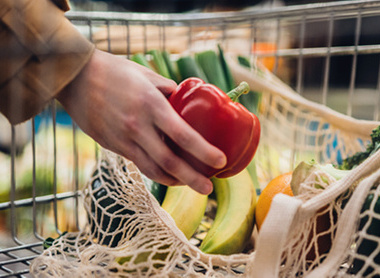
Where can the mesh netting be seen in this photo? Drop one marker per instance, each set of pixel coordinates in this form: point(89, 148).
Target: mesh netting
point(322, 230)
point(128, 234)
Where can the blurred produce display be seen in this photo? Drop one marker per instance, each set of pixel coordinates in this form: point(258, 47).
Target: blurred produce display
point(61, 165)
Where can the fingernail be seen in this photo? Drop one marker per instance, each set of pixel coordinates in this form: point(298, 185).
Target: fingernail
point(206, 188)
point(221, 162)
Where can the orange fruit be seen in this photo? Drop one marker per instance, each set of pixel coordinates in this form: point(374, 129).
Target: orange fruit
point(280, 184)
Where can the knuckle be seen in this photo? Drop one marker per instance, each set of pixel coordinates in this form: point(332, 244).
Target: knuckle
point(169, 164)
point(153, 173)
point(182, 138)
point(132, 125)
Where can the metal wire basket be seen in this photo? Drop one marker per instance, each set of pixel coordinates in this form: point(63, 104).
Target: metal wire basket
point(329, 53)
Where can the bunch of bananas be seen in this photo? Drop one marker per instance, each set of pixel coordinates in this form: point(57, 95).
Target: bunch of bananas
point(234, 220)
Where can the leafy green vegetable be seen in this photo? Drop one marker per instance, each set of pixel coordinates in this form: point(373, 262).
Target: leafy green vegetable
point(354, 160)
point(244, 61)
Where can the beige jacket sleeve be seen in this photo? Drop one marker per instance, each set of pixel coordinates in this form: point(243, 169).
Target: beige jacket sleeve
point(41, 52)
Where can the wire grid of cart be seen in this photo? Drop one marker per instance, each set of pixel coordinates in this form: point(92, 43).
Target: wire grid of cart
point(329, 53)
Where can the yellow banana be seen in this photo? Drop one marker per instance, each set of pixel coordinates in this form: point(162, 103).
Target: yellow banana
point(186, 206)
point(234, 220)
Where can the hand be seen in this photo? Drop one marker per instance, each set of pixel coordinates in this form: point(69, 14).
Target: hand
point(123, 107)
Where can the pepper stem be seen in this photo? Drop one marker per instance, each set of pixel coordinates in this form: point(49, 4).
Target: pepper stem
point(242, 88)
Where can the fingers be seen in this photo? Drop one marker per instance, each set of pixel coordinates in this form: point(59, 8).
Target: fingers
point(145, 164)
point(165, 85)
point(189, 139)
point(173, 165)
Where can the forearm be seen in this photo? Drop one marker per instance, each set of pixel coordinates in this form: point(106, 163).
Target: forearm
point(41, 52)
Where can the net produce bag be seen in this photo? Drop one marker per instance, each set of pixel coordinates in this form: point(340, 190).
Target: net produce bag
point(128, 234)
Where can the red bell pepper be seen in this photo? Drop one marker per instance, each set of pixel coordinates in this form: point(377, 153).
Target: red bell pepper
point(223, 122)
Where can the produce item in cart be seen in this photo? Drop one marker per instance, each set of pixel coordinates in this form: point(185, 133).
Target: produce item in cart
point(320, 237)
point(210, 63)
point(321, 176)
point(188, 67)
point(186, 206)
point(367, 243)
point(354, 160)
point(280, 184)
point(328, 174)
point(107, 216)
point(234, 219)
point(226, 124)
point(304, 169)
point(370, 211)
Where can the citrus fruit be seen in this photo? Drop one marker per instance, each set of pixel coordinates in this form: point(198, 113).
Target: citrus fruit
point(280, 184)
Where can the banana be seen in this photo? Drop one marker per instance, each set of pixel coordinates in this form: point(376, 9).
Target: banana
point(234, 220)
point(186, 206)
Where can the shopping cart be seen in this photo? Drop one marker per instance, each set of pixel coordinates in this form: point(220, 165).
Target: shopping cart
point(328, 53)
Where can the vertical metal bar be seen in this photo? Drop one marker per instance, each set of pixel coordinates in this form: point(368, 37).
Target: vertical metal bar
point(224, 40)
point(108, 36)
point(277, 45)
point(300, 56)
point(12, 193)
point(128, 38)
point(326, 76)
point(190, 36)
point(34, 209)
point(252, 37)
point(91, 34)
point(354, 64)
point(299, 86)
point(145, 39)
point(90, 30)
point(252, 50)
point(55, 189)
point(34, 193)
point(163, 36)
point(376, 114)
point(76, 174)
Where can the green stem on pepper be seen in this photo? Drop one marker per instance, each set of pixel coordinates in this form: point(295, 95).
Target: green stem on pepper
point(235, 93)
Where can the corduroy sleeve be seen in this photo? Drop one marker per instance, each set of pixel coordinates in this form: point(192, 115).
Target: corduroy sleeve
point(41, 52)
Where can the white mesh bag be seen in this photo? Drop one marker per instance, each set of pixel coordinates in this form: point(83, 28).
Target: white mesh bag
point(125, 220)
